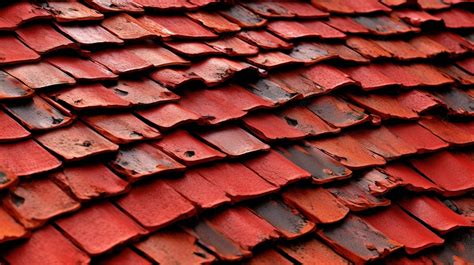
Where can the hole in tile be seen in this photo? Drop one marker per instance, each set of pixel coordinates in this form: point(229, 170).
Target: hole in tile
point(3, 178)
point(17, 200)
point(120, 92)
point(57, 120)
point(189, 153)
point(86, 143)
point(291, 121)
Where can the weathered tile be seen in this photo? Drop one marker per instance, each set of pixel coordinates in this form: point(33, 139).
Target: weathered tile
point(192, 49)
point(368, 48)
point(269, 9)
point(327, 76)
point(456, 18)
point(10, 130)
point(126, 27)
point(428, 46)
point(416, 17)
point(174, 78)
point(175, 26)
point(453, 42)
point(10, 229)
point(337, 112)
point(17, 13)
point(309, 53)
point(290, 30)
point(271, 91)
point(370, 78)
point(384, 25)
point(81, 69)
point(243, 17)
point(346, 24)
point(263, 39)
point(302, 10)
point(116, 6)
point(462, 206)
point(447, 131)
point(311, 251)
point(267, 257)
point(467, 64)
point(340, 6)
point(457, 101)
point(17, 51)
point(89, 34)
point(401, 50)
point(168, 115)
point(418, 101)
point(121, 61)
point(357, 196)
point(156, 55)
point(72, 11)
point(458, 74)
point(124, 257)
point(43, 38)
point(294, 81)
point(410, 178)
point(417, 136)
point(377, 182)
point(384, 105)
point(270, 127)
point(233, 46)
point(415, 74)
point(214, 21)
point(272, 59)
point(142, 91)
point(40, 75)
point(11, 88)
point(7, 178)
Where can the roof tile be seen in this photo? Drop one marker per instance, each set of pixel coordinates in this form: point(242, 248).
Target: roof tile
point(142, 91)
point(447, 131)
point(290, 30)
point(432, 4)
point(368, 48)
point(312, 251)
point(81, 69)
point(72, 11)
point(121, 61)
point(270, 127)
point(310, 53)
point(359, 6)
point(273, 59)
point(272, 91)
point(268, 256)
point(467, 64)
point(418, 101)
point(11, 88)
point(306, 121)
point(410, 177)
point(378, 183)
point(233, 46)
point(40, 75)
point(456, 18)
point(269, 9)
point(403, 50)
point(458, 101)
point(214, 21)
point(20, 12)
point(302, 10)
point(417, 136)
point(243, 17)
point(176, 27)
point(43, 38)
point(346, 24)
point(89, 34)
point(296, 82)
point(7, 178)
point(416, 17)
point(458, 74)
point(156, 55)
point(263, 39)
point(454, 43)
point(384, 25)
point(168, 115)
point(125, 257)
point(10, 130)
point(126, 27)
point(357, 196)
point(327, 76)
point(216, 70)
point(370, 77)
point(115, 6)
point(462, 205)
point(192, 49)
point(384, 105)
point(10, 229)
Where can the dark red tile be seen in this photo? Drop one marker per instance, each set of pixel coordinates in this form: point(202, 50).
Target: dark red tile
point(176, 27)
point(10, 130)
point(337, 112)
point(43, 38)
point(122, 128)
point(456, 165)
point(384, 25)
point(198, 190)
point(168, 115)
point(348, 151)
point(238, 181)
point(10, 229)
point(11, 88)
point(394, 3)
point(276, 169)
point(370, 78)
point(155, 205)
point(142, 91)
point(126, 27)
point(264, 39)
point(46, 245)
point(272, 91)
point(453, 42)
point(447, 131)
point(368, 48)
point(99, 228)
point(458, 102)
point(291, 30)
point(401, 50)
point(243, 17)
point(310, 52)
point(322, 168)
point(173, 78)
point(302, 10)
point(7, 179)
point(143, 160)
point(417, 137)
point(81, 69)
point(294, 81)
point(121, 61)
point(270, 9)
point(214, 21)
point(17, 51)
point(415, 75)
point(467, 65)
point(166, 4)
point(34, 202)
point(347, 25)
point(89, 96)
point(344, 53)
point(90, 181)
point(418, 101)
point(360, 6)
point(114, 6)
point(39, 160)
point(38, 114)
point(409, 177)
point(174, 246)
point(317, 203)
point(311, 251)
point(72, 11)
point(16, 13)
point(270, 60)
point(268, 256)
point(40, 75)
point(289, 222)
point(243, 227)
point(156, 55)
point(377, 182)
point(434, 213)
point(397, 225)
point(124, 257)
point(433, 4)
point(462, 206)
point(187, 148)
point(358, 241)
point(428, 46)
point(327, 76)
point(456, 18)
point(89, 34)
point(233, 46)
point(233, 141)
point(384, 105)
point(356, 195)
point(270, 127)
point(192, 49)
point(458, 74)
point(76, 142)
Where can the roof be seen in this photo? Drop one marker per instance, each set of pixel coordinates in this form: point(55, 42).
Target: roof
point(268, 132)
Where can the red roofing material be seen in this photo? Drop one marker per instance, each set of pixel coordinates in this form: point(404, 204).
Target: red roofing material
point(121, 61)
point(290, 30)
point(43, 38)
point(270, 60)
point(176, 27)
point(263, 39)
point(10, 229)
point(10, 129)
point(40, 75)
point(453, 42)
point(192, 49)
point(347, 25)
point(11, 16)
point(385, 25)
point(12, 88)
point(142, 91)
point(416, 17)
point(417, 136)
point(357, 195)
point(368, 48)
point(312, 251)
point(72, 11)
point(410, 177)
point(327, 76)
point(243, 17)
point(358, 6)
point(156, 55)
point(214, 21)
point(385, 106)
point(126, 27)
point(168, 115)
point(447, 131)
point(418, 101)
point(125, 257)
point(7, 178)
point(82, 69)
point(302, 10)
point(306, 121)
point(432, 4)
point(377, 182)
point(89, 35)
point(370, 78)
point(456, 18)
point(467, 64)
point(18, 51)
point(115, 6)
point(233, 46)
point(270, 127)
point(268, 257)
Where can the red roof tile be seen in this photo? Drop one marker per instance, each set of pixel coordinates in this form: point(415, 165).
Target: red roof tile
point(82, 69)
point(89, 35)
point(10, 228)
point(270, 127)
point(312, 251)
point(243, 17)
point(142, 91)
point(115, 6)
point(290, 30)
point(456, 18)
point(447, 131)
point(214, 21)
point(10, 129)
point(20, 12)
point(121, 61)
point(176, 27)
point(418, 137)
point(40, 75)
point(11, 88)
point(168, 115)
point(359, 6)
point(125, 257)
point(43, 38)
point(72, 11)
point(264, 39)
point(126, 27)
point(19, 52)
point(233, 46)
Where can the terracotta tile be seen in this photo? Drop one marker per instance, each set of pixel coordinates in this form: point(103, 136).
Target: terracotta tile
point(344, 53)
point(192, 49)
point(358, 240)
point(233, 46)
point(410, 178)
point(11, 88)
point(7, 179)
point(439, 165)
point(270, 60)
point(76, 142)
point(317, 204)
point(99, 228)
point(453, 42)
point(121, 128)
point(46, 245)
point(72, 11)
point(235, 95)
point(220, 245)
point(384, 25)
point(456, 18)
point(17, 51)
point(243, 17)
point(34, 202)
point(40, 75)
point(238, 181)
point(121, 61)
point(233, 141)
point(302, 10)
point(10, 230)
point(43, 38)
point(126, 27)
point(310, 52)
point(415, 75)
point(432, 4)
point(418, 101)
point(458, 74)
point(17, 13)
point(264, 39)
point(174, 246)
point(370, 78)
point(176, 27)
point(337, 112)
point(89, 34)
point(434, 213)
point(457, 101)
point(89, 96)
point(394, 3)
point(288, 222)
point(417, 137)
point(243, 227)
point(81, 69)
point(10, 130)
point(377, 182)
point(271, 91)
point(143, 160)
point(348, 151)
point(142, 91)
point(270, 127)
point(174, 78)
point(157, 55)
point(187, 148)
point(447, 131)
point(368, 48)
point(384, 105)
point(428, 46)
point(322, 168)
point(202, 193)
point(39, 160)
point(125, 257)
point(90, 181)
point(327, 76)
point(268, 256)
point(155, 205)
point(296, 82)
point(290, 30)
point(347, 25)
point(166, 4)
point(168, 115)
point(276, 169)
point(270, 9)
point(312, 251)
point(467, 65)
point(214, 21)
point(356, 196)
point(115, 6)
point(399, 226)
point(359, 6)
point(402, 50)
point(416, 17)
point(462, 206)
